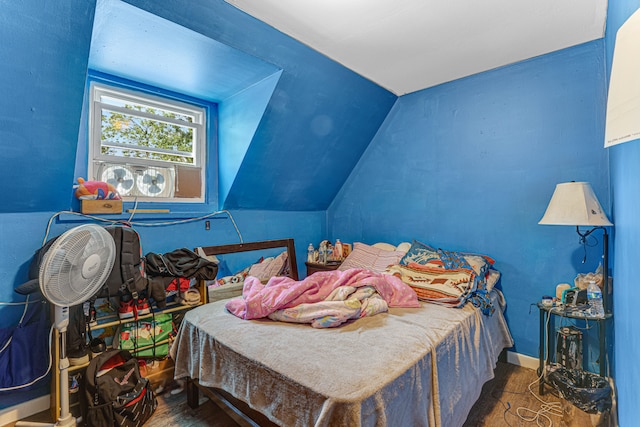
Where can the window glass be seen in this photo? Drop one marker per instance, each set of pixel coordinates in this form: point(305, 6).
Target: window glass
point(149, 147)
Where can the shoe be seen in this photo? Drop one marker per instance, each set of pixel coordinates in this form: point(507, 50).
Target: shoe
point(89, 313)
point(97, 346)
point(127, 307)
point(91, 319)
point(76, 339)
point(78, 356)
point(142, 306)
point(190, 297)
point(74, 383)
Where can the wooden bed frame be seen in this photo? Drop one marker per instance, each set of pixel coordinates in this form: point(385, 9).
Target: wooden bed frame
point(236, 409)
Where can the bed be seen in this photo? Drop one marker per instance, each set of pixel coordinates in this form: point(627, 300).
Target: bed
point(421, 366)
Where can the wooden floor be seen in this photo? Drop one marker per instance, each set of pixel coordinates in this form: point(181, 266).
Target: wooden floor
point(497, 406)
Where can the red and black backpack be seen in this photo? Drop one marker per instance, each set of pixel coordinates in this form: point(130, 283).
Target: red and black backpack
point(115, 394)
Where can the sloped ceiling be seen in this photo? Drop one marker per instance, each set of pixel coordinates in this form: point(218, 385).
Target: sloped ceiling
point(324, 109)
point(316, 124)
point(133, 44)
point(408, 45)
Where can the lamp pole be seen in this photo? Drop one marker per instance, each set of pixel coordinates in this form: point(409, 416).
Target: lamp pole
point(605, 262)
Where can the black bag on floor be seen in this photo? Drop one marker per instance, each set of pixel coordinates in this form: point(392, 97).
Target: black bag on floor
point(115, 394)
point(586, 390)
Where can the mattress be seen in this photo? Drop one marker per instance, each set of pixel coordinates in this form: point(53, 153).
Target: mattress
point(410, 366)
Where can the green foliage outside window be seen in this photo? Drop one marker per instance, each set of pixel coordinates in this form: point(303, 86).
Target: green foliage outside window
point(126, 135)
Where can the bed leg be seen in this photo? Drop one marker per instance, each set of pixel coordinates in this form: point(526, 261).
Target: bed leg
point(193, 398)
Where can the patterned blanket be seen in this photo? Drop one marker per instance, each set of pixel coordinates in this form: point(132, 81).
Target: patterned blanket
point(448, 287)
point(451, 287)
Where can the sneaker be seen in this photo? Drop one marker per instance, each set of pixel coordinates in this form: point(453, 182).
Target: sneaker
point(91, 318)
point(78, 356)
point(127, 307)
point(74, 383)
point(76, 339)
point(190, 297)
point(142, 306)
point(97, 346)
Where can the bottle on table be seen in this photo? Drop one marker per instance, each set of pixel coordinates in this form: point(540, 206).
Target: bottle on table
point(311, 253)
point(338, 250)
point(322, 253)
point(594, 295)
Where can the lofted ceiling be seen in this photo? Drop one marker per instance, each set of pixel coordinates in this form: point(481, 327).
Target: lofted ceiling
point(409, 45)
point(131, 43)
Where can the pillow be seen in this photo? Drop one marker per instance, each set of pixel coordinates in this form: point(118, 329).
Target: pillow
point(403, 247)
point(370, 258)
point(384, 246)
point(492, 278)
point(420, 254)
point(269, 267)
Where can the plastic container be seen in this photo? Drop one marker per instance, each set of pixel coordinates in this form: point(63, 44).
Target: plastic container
point(594, 295)
point(338, 250)
point(311, 253)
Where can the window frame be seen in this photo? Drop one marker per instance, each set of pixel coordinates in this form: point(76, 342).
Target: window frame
point(199, 112)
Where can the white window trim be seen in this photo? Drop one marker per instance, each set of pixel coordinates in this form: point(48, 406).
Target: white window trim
point(95, 155)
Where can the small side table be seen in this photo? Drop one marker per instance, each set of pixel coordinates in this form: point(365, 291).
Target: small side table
point(546, 312)
point(312, 267)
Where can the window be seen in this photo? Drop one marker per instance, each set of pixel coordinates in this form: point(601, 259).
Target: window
point(149, 147)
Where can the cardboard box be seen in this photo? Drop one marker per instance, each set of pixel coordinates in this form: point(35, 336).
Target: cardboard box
point(101, 206)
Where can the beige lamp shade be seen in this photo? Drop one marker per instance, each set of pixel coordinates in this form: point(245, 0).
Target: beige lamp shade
point(574, 203)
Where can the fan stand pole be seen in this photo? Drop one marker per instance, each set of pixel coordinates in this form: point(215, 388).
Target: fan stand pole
point(65, 418)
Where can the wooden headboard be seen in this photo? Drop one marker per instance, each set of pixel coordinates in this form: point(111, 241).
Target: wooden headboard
point(256, 246)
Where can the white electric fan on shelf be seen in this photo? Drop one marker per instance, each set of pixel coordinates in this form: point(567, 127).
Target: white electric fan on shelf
point(73, 269)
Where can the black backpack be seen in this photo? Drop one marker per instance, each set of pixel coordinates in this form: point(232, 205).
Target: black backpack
point(115, 394)
point(127, 275)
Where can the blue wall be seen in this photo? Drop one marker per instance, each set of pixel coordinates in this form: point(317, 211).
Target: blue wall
point(316, 125)
point(471, 165)
point(44, 64)
point(22, 233)
point(625, 181)
point(467, 165)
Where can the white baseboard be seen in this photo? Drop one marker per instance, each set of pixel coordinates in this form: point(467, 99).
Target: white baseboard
point(523, 360)
point(25, 409)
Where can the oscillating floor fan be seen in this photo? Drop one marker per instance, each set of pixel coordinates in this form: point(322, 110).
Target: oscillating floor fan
point(73, 269)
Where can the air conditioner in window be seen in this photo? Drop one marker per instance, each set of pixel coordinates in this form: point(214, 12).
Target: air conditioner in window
point(139, 180)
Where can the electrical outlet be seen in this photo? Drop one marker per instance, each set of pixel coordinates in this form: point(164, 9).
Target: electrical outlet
point(207, 225)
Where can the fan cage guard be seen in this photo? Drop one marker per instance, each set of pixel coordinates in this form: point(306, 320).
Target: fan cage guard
point(131, 180)
point(122, 177)
point(76, 265)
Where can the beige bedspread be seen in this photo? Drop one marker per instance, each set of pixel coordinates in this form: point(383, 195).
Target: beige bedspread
point(408, 367)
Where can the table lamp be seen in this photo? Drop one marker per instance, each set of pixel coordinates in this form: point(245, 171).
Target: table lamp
point(575, 203)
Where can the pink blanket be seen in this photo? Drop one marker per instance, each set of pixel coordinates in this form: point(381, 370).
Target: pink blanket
point(260, 300)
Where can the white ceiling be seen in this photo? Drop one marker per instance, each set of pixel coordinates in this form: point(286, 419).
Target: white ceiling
point(408, 45)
